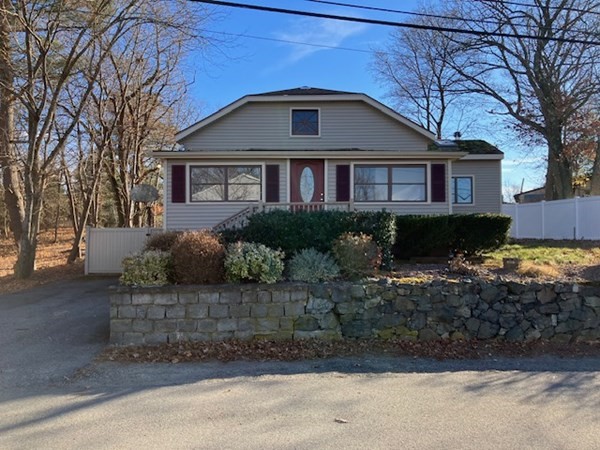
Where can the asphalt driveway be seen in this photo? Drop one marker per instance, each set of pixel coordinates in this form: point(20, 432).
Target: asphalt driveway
point(53, 395)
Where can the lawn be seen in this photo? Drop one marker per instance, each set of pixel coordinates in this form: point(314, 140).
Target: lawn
point(556, 253)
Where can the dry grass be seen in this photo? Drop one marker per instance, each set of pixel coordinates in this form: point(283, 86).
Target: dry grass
point(541, 271)
point(50, 263)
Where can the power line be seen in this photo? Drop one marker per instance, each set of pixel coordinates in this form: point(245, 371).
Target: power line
point(422, 14)
point(286, 41)
point(391, 23)
point(530, 5)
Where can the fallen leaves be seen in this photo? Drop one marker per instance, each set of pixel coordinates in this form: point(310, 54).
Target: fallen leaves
point(264, 350)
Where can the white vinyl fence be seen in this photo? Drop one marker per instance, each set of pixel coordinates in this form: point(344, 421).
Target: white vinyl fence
point(105, 248)
point(575, 218)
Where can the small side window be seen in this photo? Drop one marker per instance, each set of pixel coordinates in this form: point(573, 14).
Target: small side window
point(462, 190)
point(305, 122)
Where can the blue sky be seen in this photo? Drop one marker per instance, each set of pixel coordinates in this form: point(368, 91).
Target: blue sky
point(248, 65)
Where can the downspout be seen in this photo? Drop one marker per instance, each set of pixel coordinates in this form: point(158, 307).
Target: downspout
point(450, 211)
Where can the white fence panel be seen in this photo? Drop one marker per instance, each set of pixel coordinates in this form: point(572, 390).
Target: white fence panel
point(106, 247)
point(589, 218)
point(528, 225)
point(559, 219)
point(576, 218)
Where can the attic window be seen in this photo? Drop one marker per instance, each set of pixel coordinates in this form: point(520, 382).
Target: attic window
point(305, 122)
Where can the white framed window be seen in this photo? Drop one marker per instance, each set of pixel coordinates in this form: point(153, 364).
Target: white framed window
point(462, 190)
point(225, 183)
point(305, 122)
point(390, 183)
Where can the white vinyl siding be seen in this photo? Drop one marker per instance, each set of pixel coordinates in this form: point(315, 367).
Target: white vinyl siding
point(343, 125)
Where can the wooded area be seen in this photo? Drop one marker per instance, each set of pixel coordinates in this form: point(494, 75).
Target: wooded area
point(87, 90)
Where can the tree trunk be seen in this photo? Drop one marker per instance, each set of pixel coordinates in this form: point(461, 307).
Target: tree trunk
point(595, 181)
point(559, 177)
point(25, 265)
point(11, 180)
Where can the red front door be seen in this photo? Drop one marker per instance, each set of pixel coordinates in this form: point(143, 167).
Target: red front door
point(307, 181)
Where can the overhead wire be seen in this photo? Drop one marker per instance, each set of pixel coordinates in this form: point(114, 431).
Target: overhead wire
point(423, 14)
point(394, 23)
point(531, 5)
point(288, 41)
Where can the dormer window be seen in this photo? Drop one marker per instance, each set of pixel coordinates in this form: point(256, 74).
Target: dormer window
point(305, 122)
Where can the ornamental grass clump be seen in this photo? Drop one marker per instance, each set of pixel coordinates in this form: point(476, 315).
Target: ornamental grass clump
point(356, 254)
point(253, 262)
point(150, 268)
point(198, 258)
point(312, 266)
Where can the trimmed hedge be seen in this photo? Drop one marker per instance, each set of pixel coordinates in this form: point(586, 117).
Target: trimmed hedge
point(397, 236)
point(470, 234)
point(296, 231)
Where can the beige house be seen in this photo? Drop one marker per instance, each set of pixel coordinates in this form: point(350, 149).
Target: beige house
point(310, 148)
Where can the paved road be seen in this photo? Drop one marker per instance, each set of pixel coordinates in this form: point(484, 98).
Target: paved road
point(53, 396)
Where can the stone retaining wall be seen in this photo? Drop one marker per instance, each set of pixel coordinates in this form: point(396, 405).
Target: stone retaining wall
point(434, 310)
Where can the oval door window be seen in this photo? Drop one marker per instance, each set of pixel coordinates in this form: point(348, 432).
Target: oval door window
point(307, 185)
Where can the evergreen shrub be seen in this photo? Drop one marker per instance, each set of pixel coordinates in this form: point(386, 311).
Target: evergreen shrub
point(149, 268)
point(312, 266)
point(247, 261)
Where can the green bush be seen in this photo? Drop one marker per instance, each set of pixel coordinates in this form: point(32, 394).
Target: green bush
point(150, 268)
point(422, 236)
point(198, 258)
point(162, 241)
point(356, 254)
point(312, 266)
point(470, 234)
point(296, 231)
point(253, 262)
point(478, 233)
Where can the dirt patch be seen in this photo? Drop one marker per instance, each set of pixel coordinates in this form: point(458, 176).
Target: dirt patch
point(263, 350)
point(50, 262)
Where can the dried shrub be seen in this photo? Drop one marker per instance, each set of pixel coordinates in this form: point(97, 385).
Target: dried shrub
point(253, 262)
point(162, 241)
point(150, 268)
point(198, 258)
point(356, 254)
point(460, 266)
point(312, 266)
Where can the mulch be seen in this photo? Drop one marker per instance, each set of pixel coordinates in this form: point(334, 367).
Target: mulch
point(265, 350)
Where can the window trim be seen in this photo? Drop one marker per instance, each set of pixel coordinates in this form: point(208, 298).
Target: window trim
point(188, 184)
point(319, 119)
point(453, 188)
point(390, 164)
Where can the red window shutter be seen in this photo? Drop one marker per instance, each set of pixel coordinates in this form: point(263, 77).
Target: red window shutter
point(272, 183)
point(342, 183)
point(178, 183)
point(438, 183)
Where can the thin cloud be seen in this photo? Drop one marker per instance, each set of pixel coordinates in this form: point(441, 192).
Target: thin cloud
point(315, 31)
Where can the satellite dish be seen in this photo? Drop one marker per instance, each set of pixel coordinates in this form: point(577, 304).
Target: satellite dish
point(144, 193)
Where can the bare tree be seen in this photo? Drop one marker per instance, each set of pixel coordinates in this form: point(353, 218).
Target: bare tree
point(415, 66)
point(52, 55)
point(11, 177)
point(540, 83)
